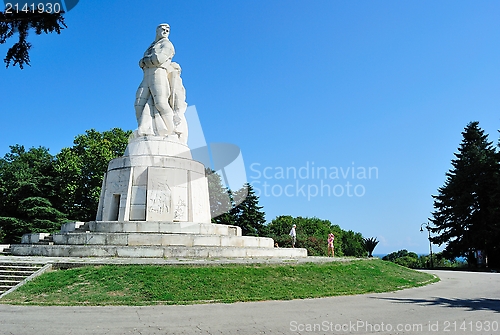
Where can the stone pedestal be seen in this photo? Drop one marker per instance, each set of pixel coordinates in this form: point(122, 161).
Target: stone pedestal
point(156, 180)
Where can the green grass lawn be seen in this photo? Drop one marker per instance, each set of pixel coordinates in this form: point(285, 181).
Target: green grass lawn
point(186, 284)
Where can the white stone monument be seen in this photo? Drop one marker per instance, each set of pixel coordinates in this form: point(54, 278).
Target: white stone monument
point(157, 179)
point(154, 200)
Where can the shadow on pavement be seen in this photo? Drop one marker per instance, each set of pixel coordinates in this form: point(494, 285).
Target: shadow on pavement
point(481, 304)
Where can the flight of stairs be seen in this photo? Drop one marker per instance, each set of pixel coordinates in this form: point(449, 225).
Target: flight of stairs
point(12, 273)
point(48, 239)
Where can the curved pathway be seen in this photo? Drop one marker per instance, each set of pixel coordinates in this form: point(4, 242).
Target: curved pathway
point(461, 303)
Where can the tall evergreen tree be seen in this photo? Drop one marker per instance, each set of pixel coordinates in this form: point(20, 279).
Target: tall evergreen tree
point(465, 209)
point(248, 214)
point(29, 200)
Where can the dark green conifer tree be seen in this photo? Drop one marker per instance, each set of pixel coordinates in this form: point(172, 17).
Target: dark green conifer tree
point(466, 214)
point(248, 214)
point(28, 194)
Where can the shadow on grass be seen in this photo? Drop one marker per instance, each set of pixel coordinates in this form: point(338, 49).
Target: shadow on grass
point(481, 304)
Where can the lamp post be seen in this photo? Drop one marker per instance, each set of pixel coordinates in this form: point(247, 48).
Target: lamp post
point(430, 243)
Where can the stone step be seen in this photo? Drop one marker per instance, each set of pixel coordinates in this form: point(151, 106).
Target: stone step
point(5, 250)
point(21, 271)
point(162, 227)
point(34, 237)
point(158, 239)
point(15, 274)
point(13, 277)
point(9, 282)
point(47, 240)
point(20, 264)
point(83, 228)
point(154, 251)
point(19, 268)
point(44, 242)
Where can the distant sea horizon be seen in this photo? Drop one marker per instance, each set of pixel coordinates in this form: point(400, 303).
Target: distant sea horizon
point(460, 259)
point(382, 255)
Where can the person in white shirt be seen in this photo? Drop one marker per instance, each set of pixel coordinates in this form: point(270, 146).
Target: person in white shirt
point(293, 234)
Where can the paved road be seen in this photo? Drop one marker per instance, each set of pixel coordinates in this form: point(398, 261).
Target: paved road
point(461, 303)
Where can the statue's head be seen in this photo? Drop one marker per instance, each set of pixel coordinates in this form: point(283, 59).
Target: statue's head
point(162, 31)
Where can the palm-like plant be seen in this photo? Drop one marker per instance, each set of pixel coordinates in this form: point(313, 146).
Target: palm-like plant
point(370, 244)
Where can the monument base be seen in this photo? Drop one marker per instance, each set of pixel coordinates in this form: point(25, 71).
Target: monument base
point(139, 239)
point(155, 252)
point(154, 203)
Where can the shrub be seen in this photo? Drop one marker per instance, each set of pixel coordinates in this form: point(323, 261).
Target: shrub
point(315, 246)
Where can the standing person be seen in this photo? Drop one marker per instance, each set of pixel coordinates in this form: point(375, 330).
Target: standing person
point(293, 234)
point(331, 239)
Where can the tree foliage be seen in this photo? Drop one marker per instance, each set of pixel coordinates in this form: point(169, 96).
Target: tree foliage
point(370, 244)
point(248, 214)
point(22, 22)
point(25, 174)
point(28, 192)
point(353, 244)
point(312, 234)
point(412, 260)
point(39, 191)
point(466, 209)
point(404, 258)
point(239, 208)
point(81, 168)
point(221, 201)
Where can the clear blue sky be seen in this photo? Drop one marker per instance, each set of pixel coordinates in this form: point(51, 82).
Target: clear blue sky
point(387, 85)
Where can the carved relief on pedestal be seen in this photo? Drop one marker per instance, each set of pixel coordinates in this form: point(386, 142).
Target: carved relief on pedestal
point(159, 197)
point(180, 213)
